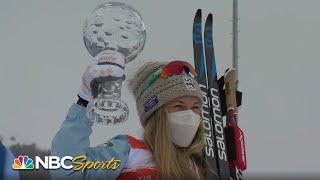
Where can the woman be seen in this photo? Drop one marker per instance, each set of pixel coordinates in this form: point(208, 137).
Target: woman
point(169, 103)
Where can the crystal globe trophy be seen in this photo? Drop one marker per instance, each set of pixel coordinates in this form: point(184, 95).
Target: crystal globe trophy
point(114, 34)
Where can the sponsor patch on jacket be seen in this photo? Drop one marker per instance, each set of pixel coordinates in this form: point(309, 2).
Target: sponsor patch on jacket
point(151, 103)
point(189, 83)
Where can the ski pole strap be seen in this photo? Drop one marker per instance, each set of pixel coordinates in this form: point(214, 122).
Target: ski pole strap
point(2, 160)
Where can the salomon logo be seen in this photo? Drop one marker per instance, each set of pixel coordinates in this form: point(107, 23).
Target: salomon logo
point(207, 123)
point(218, 124)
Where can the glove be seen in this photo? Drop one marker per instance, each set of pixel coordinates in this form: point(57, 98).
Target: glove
point(100, 70)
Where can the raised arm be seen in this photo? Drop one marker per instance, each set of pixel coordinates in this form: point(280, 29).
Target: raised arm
point(72, 139)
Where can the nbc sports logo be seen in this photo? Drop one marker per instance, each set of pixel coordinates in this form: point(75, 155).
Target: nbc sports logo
point(23, 162)
point(78, 163)
point(49, 162)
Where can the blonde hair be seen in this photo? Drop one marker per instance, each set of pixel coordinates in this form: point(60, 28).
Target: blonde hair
point(173, 162)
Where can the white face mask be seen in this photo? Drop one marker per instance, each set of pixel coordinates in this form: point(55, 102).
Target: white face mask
point(184, 125)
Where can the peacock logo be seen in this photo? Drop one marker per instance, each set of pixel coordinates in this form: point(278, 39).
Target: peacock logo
point(23, 162)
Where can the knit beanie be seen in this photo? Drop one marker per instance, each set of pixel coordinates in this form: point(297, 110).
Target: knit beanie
point(161, 91)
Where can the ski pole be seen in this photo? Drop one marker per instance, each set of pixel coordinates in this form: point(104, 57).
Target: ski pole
point(234, 135)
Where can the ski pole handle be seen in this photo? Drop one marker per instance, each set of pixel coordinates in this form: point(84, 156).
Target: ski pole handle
point(230, 89)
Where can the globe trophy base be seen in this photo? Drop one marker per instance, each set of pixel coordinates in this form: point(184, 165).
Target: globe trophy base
point(107, 111)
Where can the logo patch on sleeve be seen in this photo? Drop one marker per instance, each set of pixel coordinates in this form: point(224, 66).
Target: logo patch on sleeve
point(151, 103)
point(189, 83)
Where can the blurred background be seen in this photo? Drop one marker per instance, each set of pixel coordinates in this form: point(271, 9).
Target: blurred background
point(43, 57)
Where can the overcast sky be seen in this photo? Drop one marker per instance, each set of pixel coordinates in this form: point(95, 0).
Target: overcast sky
point(43, 58)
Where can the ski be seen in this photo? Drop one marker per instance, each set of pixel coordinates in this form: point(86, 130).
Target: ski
point(234, 135)
point(215, 103)
point(199, 62)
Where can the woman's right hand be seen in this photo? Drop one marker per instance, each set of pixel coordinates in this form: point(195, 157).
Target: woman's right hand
point(93, 75)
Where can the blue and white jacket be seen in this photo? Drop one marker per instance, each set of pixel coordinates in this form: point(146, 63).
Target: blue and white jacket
point(72, 139)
